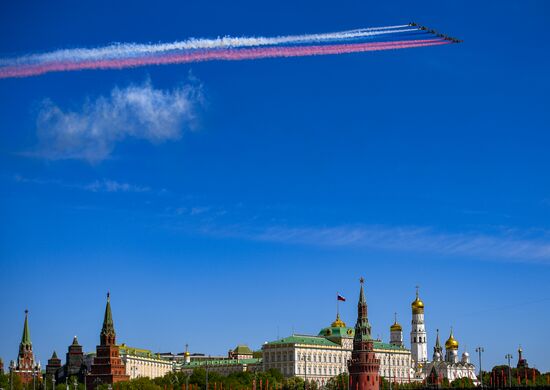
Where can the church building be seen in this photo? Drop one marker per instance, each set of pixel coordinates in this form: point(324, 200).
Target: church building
point(448, 367)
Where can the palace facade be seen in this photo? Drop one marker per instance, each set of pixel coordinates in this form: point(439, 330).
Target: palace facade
point(240, 359)
point(144, 363)
point(321, 357)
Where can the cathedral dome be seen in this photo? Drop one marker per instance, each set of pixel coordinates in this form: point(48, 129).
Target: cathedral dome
point(417, 306)
point(396, 327)
point(451, 342)
point(338, 323)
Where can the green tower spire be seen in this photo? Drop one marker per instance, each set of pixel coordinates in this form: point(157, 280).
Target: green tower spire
point(108, 335)
point(108, 326)
point(26, 339)
point(362, 326)
point(362, 299)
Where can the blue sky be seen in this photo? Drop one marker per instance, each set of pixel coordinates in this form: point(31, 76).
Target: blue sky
point(258, 189)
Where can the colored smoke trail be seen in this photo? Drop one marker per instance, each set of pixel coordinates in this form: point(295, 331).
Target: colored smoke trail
point(224, 49)
point(133, 49)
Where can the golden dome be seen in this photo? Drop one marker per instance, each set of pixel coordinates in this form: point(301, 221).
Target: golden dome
point(396, 327)
point(187, 353)
point(417, 305)
point(338, 323)
point(451, 342)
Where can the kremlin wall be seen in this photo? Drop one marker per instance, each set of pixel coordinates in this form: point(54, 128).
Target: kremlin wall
point(317, 359)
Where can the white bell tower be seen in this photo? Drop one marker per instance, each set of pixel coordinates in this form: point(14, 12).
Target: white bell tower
point(396, 333)
point(419, 342)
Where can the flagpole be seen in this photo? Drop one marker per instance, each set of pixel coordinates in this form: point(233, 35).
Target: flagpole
point(337, 306)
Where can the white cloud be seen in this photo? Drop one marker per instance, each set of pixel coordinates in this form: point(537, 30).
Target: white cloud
point(137, 111)
point(104, 185)
point(507, 245)
point(114, 186)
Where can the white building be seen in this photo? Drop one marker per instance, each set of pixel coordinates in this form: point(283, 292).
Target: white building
point(240, 359)
point(319, 358)
point(419, 341)
point(144, 363)
point(450, 367)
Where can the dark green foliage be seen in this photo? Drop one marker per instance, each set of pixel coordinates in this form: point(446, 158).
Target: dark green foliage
point(338, 382)
point(5, 382)
point(463, 383)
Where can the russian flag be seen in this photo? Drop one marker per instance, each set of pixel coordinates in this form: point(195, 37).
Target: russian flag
point(340, 298)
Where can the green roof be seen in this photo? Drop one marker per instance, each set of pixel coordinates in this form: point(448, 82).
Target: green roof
point(337, 332)
point(126, 350)
point(381, 345)
point(220, 362)
point(303, 339)
point(26, 339)
point(242, 350)
point(108, 326)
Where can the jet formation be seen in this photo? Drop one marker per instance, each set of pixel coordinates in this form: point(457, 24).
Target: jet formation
point(432, 31)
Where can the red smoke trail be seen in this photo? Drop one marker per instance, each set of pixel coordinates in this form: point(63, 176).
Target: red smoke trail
point(212, 55)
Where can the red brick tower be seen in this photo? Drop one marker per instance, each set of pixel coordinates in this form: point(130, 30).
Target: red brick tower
point(107, 367)
point(363, 365)
point(26, 368)
point(54, 364)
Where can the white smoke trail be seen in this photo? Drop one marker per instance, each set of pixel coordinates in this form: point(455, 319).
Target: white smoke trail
point(132, 49)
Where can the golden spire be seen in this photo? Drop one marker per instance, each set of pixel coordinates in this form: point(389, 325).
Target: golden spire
point(417, 305)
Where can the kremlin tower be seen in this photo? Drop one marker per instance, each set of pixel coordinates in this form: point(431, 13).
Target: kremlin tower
point(107, 367)
point(419, 344)
point(54, 364)
point(363, 366)
point(26, 367)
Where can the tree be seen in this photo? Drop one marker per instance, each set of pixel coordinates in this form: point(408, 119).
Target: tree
point(293, 383)
point(463, 382)
point(338, 382)
point(5, 382)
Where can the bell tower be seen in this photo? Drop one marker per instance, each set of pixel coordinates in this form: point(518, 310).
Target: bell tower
point(396, 333)
point(419, 343)
point(363, 365)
